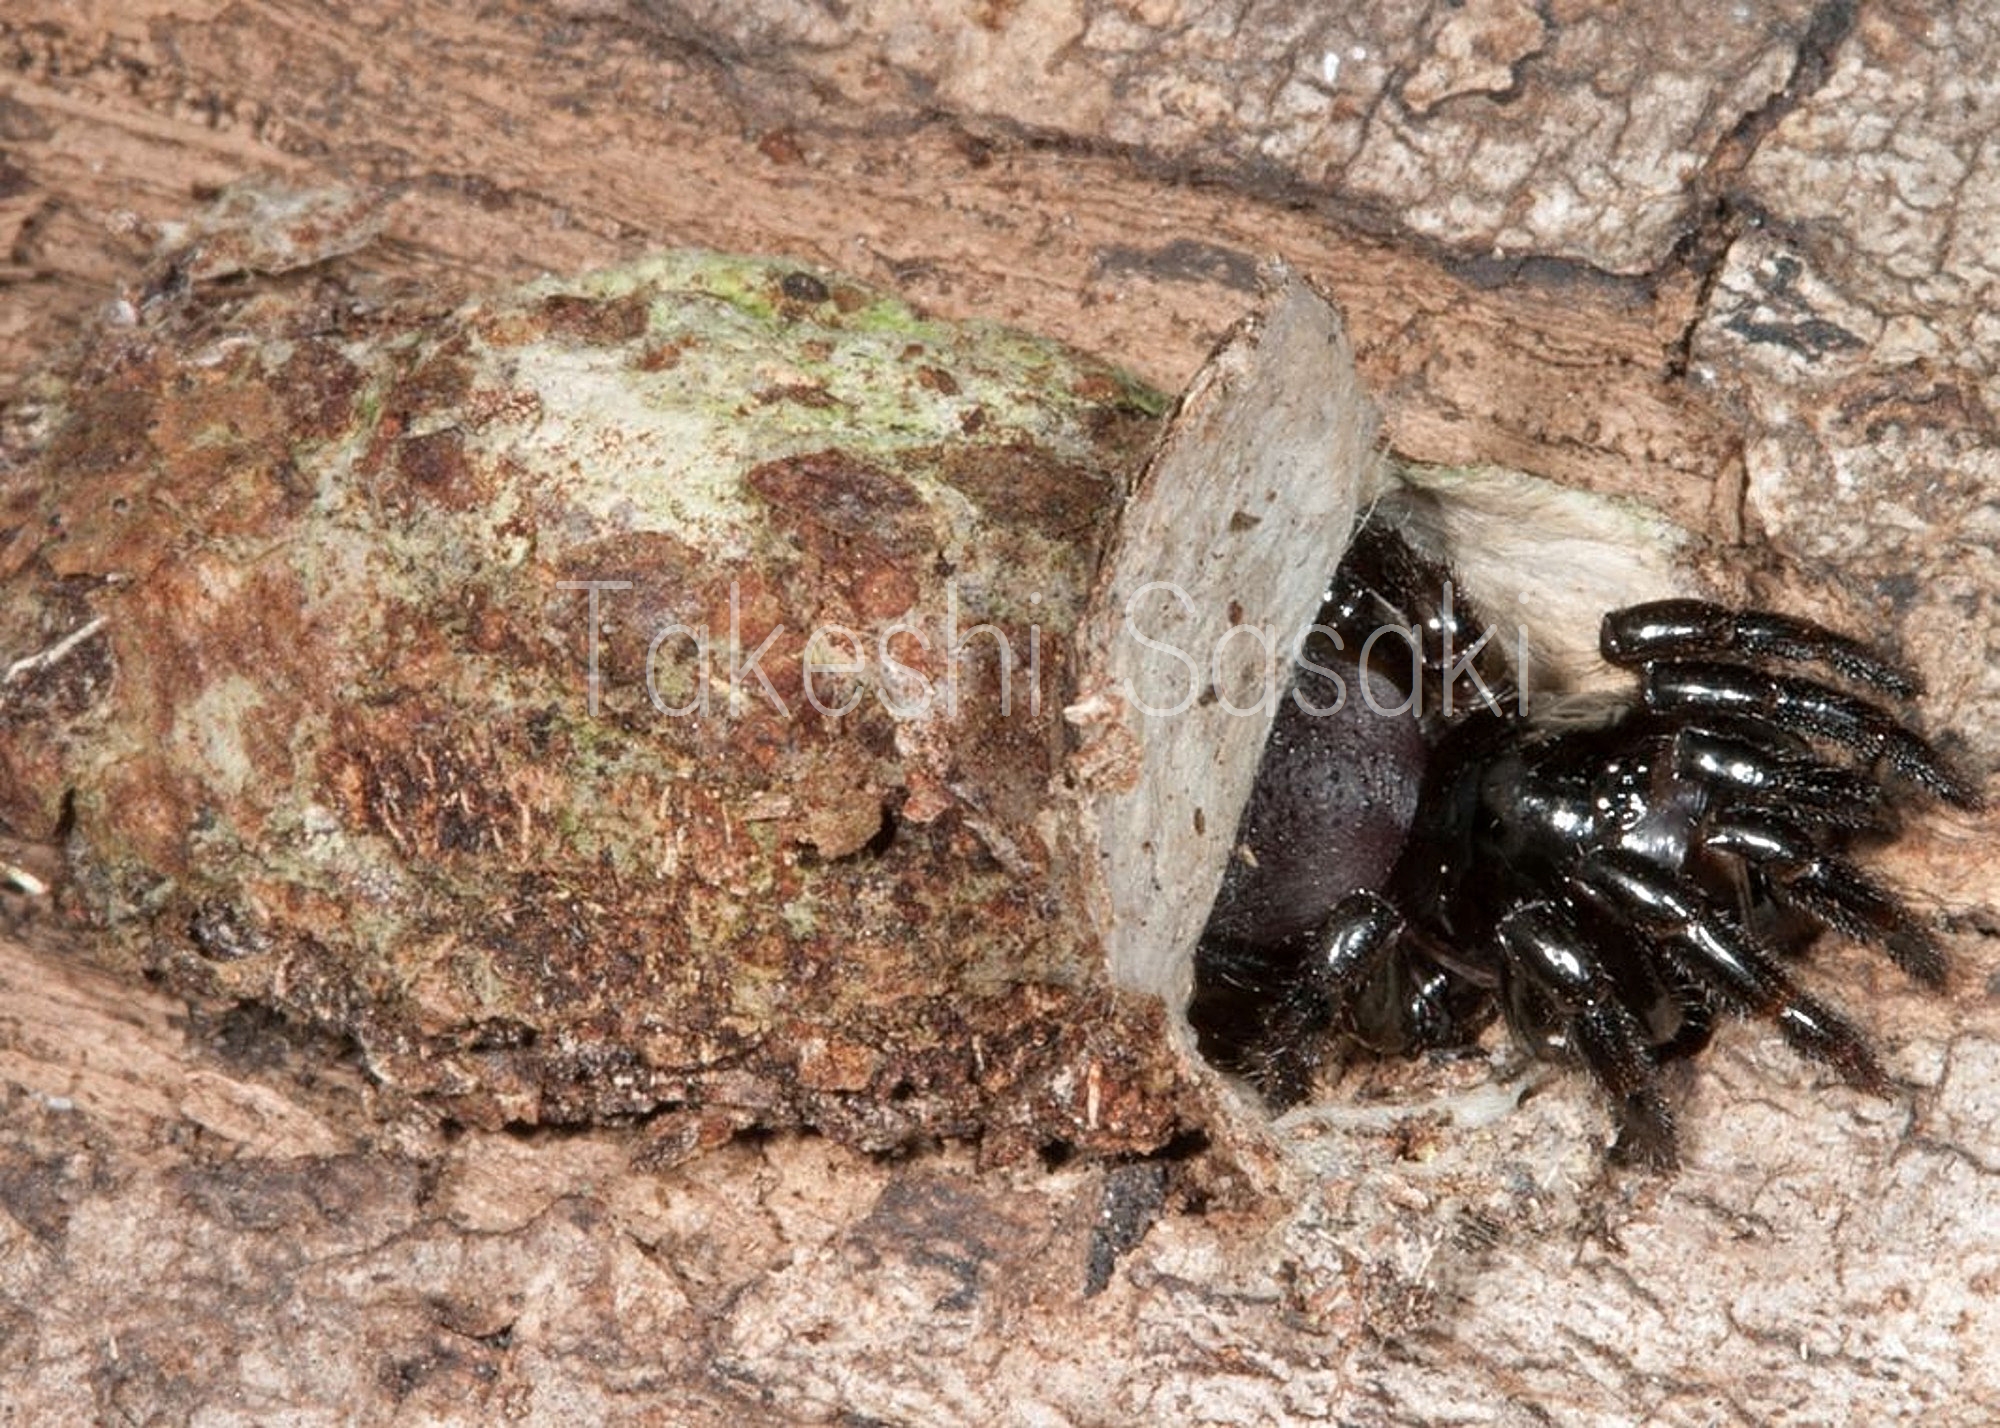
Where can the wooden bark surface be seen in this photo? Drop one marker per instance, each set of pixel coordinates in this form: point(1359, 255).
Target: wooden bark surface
point(204, 1218)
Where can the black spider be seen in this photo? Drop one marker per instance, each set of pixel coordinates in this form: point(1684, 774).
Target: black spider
point(1605, 886)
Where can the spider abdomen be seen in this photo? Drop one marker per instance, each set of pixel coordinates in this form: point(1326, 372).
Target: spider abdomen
point(1330, 811)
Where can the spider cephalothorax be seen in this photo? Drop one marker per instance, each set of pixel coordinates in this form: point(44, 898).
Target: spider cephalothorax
point(1419, 855)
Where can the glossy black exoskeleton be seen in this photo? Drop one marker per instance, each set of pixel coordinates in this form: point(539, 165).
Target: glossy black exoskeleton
point(1419, 855)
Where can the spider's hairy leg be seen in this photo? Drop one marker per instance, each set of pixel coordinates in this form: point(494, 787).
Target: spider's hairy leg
point(1382, 575)
point(1725, 959)
point(1556, 975)
point(1244, 1022)
point(1349, 946)
point(1392, 996)
point(1685, 629)
point(1385, 582)
point(1320, 997)
point(1806, 707)
point(1828, 887)
point(1756, 767)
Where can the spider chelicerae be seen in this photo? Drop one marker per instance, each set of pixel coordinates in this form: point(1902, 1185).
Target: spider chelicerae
point(1419, 855)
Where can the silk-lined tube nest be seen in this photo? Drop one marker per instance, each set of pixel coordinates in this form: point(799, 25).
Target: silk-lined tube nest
point(705, 690)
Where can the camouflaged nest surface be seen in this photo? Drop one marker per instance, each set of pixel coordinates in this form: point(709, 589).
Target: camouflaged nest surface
point(298, 651)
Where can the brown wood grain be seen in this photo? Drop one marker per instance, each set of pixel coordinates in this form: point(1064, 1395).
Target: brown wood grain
point(514, 141)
